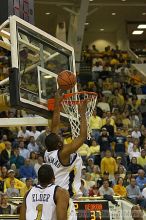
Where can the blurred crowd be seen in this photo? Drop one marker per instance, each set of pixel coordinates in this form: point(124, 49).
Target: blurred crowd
point(114, 160)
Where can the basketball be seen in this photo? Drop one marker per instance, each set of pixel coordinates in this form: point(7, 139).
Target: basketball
point(66, 80)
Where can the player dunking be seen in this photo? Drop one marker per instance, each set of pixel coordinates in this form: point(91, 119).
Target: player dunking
point(44, 201)
point(66, 163)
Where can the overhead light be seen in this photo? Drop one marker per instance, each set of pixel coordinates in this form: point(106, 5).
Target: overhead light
point(91, 0)
point(101, 29)
point(142, 26)
point(137, 32)
point(48, 13)
point(113, 13)
point(86, 23)
point(48, 77)
point(144, 13)
point(123, 0)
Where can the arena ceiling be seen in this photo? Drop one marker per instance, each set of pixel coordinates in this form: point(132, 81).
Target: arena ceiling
point(132, 12)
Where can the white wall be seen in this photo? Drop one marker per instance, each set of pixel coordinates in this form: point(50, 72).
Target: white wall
point(122, 37)
point(100, 39)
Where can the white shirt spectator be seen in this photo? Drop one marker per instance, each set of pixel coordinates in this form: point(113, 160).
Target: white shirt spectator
point(97, 68)
point(134, 154)
point(25, 134)
point(35, 134)
point(33, 147)
point(144, 192)
point(136, 134)
point(24, 153)
point(104, 106)
point(130, 147)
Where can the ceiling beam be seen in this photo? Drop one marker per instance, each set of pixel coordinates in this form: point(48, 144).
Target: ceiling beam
point(92, 11)
point(118, 4)
point(70, 10)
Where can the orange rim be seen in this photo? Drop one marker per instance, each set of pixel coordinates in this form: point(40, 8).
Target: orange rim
point(51, 102)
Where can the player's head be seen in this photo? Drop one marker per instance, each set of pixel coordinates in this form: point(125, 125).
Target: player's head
point(45, 175)
point(137, 212)
point(53, 142)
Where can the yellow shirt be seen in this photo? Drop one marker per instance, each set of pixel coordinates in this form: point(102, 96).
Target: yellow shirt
point(108, 165)
point(95, 149)
point(112, 122)
point(2, 147)
point(120, 190)
point(95, 122)
point(141, 161)
point(18, 184)
point(24, 190)
point(84, 150)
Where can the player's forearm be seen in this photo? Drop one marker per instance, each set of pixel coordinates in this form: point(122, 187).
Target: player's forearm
point(56, 117)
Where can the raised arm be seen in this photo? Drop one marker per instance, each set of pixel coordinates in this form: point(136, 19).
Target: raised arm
point(56, 114)
point(61, 205)
point(77, 142)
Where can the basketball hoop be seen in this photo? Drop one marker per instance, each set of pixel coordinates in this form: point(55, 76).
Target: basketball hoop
point(70, 105)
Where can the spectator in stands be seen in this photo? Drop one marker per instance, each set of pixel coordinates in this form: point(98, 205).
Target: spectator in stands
point(142, 109)
point(104, 142)
point(144, 192)
point(27, 171)
point(137, 212)
point(32, 146)
point(24, 133)
point(135, 121)
point(104, 105)
point(122, 171)
point(105, 176)
point(134, 193)
point(12, 191)
point(115, 179)
point(136, 133)
point(27, 187)
point(105, 189)
point(5, 208)
point(17, 183)
point(84, 152)
point(83, 188)
point(94, 191)
point(119, 189)
point(135, 151)
point(134, 167)
point(34, 132)
point(108, 164)
point(109, 127)
point(3, 173)
point(6, 155)
point(95, 125)
point(120, 146)
point(41, 140)
point(143, 137)
point(23, 151)
point(16, 158)
point(95, 151)
point(33, 158)
point(141, 179)
point(38, 164)
point(119, 162)
point(3, 140)
point(90, 165)
point(96, 173)
point(141, 160)
point(89, 182)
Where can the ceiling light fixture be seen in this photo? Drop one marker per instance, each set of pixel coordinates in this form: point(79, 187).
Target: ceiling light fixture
point(142, 26)
point(101, 29)
point(48, 77)
point(137, 32)
point(48, 13)
point(113, 13)
point(144, 13)
point(86, 23)
point(123, 0)
point(91, 0)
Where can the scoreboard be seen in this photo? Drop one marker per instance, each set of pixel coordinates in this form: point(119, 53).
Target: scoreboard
point(21, 8)
point(92, 210)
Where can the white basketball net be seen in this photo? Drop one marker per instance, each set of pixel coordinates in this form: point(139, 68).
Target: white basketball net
point(70, 106)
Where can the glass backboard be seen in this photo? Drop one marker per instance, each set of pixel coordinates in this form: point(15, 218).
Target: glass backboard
point(37, 58)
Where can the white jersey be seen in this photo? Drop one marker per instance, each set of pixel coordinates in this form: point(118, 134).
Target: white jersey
point(66, 176)
point(40, 203)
